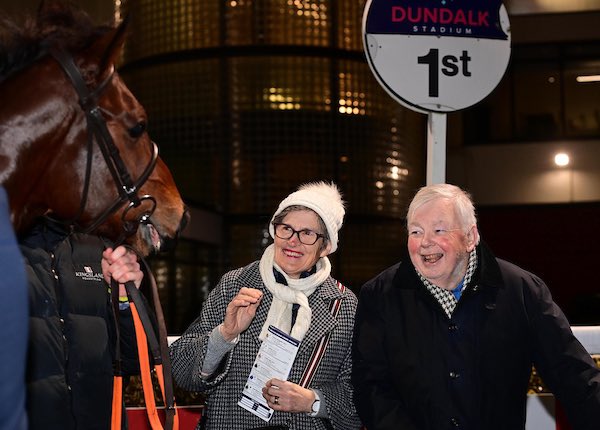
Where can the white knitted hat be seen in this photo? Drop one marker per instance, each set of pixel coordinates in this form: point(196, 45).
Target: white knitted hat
point(325, 200)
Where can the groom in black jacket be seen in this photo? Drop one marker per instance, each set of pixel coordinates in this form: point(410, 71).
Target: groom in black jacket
point(72, 335)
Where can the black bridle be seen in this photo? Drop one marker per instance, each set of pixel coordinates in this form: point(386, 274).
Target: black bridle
point(97, 130)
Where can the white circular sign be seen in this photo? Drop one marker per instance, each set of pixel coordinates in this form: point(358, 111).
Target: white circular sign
point(437, 56)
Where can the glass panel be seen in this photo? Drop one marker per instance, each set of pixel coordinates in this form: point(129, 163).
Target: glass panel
point(170, 26)
point(297, 22)
point(278, 22)
point(356, 261)
point(183, 101)
point(491, 120)
point(349, 24)
point(251, 239)
point(549, 102)
point(184, 278)
point(537, 101)
point(281, 124)
point(582, 98)
point(382, 144)
point(239, 22)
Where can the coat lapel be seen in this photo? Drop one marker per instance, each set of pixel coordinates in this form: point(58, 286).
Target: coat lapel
point(322, 321)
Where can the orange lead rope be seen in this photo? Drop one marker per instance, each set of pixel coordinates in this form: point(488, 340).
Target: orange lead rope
point(117, 403)
point(144, 358)
point(142, 327)
point(147, 341)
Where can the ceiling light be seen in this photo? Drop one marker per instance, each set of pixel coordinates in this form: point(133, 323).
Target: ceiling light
point(588, 78)
point(561, 159)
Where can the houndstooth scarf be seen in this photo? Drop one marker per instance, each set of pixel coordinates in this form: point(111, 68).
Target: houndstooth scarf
point(445, 297)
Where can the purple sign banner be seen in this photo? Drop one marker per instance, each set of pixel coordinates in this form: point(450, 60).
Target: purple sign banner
point(458, 18)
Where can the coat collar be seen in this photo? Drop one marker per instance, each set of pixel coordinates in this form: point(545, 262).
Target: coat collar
point(488, 272)
point(322, 320)
point(487, 279)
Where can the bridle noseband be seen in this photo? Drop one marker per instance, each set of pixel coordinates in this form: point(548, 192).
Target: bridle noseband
point(127, 188)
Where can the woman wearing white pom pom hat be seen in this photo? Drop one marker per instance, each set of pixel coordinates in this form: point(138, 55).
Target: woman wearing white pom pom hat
point(289, 288)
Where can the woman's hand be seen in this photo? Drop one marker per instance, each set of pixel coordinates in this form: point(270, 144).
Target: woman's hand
point(121, 265)
point(287, 396)
point(240, 312)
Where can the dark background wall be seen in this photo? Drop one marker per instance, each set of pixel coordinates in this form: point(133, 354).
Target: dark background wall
point(559, 243)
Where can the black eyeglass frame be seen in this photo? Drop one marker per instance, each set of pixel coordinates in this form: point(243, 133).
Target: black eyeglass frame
point(297, 233)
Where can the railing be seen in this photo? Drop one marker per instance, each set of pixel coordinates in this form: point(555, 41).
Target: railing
point(543, 413)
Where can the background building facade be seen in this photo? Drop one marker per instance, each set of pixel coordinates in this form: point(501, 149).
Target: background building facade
point(249, 99)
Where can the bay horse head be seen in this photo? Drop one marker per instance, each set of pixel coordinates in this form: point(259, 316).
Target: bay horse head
point(73, 138)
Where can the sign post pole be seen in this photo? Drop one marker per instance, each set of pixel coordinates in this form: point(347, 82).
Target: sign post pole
point(436, 148)
point(435, 57)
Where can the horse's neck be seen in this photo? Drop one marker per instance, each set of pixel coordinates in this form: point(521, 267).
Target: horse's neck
point(25, 139)
point(34, 128)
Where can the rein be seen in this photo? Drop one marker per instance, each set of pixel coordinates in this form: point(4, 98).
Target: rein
point(157, 354)
point(98, 132)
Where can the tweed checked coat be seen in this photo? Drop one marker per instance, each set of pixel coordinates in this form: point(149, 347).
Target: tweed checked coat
point(225, 387)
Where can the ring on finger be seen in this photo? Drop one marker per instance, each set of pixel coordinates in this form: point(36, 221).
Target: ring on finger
point(275, 400)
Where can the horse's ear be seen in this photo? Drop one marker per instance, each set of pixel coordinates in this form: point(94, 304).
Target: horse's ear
point(113, 50)
point(107, 48)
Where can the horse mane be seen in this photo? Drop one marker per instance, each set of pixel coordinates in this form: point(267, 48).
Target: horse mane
point(57, 23)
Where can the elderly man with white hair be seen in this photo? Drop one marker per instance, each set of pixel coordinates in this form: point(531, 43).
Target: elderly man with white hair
point(447, 339)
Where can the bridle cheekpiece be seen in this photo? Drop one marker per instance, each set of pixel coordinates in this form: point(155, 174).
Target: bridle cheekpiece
point(127, 188)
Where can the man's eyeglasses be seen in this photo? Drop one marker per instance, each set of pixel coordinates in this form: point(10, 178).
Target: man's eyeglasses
point(305, 236)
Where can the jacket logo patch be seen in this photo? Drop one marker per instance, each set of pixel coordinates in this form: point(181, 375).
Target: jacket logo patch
point(89, 275)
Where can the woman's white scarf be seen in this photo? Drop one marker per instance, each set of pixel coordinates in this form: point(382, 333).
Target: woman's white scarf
point(284, 296)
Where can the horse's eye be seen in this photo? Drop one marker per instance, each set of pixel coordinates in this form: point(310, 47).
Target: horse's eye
point(137, 130)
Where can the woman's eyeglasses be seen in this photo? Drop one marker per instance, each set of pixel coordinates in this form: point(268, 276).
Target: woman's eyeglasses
point(305, 236)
